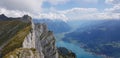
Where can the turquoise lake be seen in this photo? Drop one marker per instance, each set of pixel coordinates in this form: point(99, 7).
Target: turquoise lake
point(80, 52)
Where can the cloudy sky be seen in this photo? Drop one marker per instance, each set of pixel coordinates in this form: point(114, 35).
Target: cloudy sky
point(62, 9)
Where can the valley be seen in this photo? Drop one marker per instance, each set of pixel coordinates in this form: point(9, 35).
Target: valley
point(99, 37)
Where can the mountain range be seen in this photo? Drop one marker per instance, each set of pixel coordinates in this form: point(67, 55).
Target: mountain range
point(100, 37)
point(57, 26)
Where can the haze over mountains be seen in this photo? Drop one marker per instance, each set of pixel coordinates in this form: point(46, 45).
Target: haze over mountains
point(57, 26)
point(97, 36)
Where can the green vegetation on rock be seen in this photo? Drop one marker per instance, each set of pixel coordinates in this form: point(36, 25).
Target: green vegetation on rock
point(18, 31)
point(23, 53)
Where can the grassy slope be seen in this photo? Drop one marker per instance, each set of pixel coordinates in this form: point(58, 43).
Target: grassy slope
point(22, 52)
point(13, 33)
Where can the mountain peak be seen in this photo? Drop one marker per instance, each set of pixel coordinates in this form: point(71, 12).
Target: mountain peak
point(2, 17)
point(26, 18)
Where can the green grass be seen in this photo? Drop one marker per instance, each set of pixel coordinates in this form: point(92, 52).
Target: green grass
point(14, 32)
point(9, 28)
point(21, 51)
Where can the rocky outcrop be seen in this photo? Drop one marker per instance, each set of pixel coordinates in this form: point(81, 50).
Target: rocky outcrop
point(33, 42)
point(42, 40)
point(3, 17)
point(65, 53)
point(26, 18)
point(23, 53)
point(46, 41)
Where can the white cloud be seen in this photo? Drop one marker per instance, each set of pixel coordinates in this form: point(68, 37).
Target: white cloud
point(80, 10)
point(12, 13)
point(80, 14)
point(113, 2)
point(32, 6)
point(56, 2)
point(106, 15)
point(52, 16)
point(71, 14)
point(89, 14)
point(90, 1)
point(85, 1)
point(114, 9)
point(17, 9)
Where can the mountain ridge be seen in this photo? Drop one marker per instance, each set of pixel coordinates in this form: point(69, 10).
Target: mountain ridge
point(55, 25)
point(31, 41)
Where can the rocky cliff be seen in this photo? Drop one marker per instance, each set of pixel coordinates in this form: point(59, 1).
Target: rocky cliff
point(21, 38)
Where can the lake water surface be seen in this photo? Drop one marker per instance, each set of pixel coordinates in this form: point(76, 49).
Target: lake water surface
point(80, 53)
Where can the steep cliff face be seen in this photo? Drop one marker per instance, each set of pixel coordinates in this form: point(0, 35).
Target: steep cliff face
point(42, 40)
point(31, 41)
point(47, 41)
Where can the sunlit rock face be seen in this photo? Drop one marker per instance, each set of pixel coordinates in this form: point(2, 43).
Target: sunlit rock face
point(47, 42)
point(29, 41)
point(43, 40)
